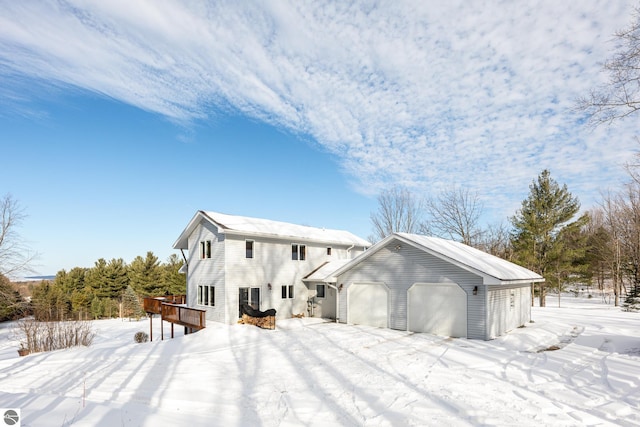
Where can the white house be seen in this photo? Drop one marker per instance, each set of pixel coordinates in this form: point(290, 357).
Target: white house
point(426, 284)
point(234, 260)
point(406, 281)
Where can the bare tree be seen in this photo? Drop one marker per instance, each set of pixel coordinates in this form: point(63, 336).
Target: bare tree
point(14, 255)
point(455, 214)
point(496, 240)
point(621, 96)
point(398, 211)
point(611, 207)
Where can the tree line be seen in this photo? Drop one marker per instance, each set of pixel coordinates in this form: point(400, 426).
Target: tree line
point(108, 289)
point(600, 247)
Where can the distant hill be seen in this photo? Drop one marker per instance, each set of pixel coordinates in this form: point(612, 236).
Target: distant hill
point(24, 287)
point(29, 278)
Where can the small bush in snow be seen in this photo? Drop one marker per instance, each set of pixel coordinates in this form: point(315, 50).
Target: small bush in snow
point(141, 337)
point(35, 336)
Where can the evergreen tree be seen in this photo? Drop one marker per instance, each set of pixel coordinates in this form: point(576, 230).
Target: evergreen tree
point(97, 280)
point(12, 305)
point(173, 282)
point(145, 275)
point(538, 224)
point(131, 304)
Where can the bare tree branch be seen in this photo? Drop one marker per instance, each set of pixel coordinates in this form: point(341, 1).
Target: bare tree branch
point(398, 211)
point(455, 214)
point(619, 98)
point(14, 255)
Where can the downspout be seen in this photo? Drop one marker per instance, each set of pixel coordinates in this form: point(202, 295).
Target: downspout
point(337, 301)
point(349, 250)
point(184, 257)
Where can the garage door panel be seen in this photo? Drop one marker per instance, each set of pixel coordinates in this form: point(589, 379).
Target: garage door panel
point(439, 309)
point(368, 305)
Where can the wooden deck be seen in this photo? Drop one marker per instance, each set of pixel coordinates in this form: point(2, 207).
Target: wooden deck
point(172, 308)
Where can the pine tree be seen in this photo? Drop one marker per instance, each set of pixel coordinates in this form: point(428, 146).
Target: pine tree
point(131, 307)
point(145, 275)
point(538, 224)
point(174, 282)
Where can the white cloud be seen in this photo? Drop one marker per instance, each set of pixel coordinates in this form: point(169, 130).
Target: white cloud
point(427, 94)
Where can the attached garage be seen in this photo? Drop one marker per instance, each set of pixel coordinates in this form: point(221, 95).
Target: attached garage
point(437, 308)
point(368, 304)
point(427, 284)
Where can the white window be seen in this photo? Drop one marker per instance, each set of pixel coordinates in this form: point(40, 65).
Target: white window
point(298, 252)
point(320, 289)
point(205, 249)
point(207, 295)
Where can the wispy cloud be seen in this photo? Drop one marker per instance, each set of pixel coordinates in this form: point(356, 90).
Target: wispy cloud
point(426, 94)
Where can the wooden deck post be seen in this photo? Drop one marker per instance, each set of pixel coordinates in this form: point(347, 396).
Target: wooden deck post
point(150, 326)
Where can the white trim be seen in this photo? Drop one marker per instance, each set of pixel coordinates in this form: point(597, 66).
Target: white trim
point(384, 286)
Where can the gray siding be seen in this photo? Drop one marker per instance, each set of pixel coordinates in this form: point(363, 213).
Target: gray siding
point(401, 269)
point(509, 308)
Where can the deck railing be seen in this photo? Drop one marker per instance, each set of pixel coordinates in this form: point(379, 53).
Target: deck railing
point(154, 304)
point(185, 316)
point(172, 308)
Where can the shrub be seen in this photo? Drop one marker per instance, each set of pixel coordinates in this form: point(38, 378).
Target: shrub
point(35, 336)
point(141, 337)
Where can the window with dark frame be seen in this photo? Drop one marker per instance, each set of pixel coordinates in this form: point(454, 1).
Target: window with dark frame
point(320, 291)
point(298, 252)
point(249, 248)
point(329, 251)
point(287, 291)
point(205, 249)
point(206, 295)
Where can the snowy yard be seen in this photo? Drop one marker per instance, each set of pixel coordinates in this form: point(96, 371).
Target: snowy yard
point(311, 373)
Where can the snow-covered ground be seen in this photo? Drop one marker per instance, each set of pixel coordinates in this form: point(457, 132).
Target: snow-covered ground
point(308, 372)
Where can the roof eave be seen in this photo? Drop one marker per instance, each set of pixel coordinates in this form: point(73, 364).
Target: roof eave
point(292, 238)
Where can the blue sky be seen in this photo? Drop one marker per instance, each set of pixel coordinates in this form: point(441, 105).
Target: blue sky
point(119, 120)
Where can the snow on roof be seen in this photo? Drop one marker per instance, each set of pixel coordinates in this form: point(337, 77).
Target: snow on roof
point(325, 271)
point(234, 224)
point(476, 259)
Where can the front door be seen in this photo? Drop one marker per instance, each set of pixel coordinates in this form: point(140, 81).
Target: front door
point(249, 296)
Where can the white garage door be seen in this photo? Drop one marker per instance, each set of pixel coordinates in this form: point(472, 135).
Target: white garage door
point(368, 304)
point(438, 308)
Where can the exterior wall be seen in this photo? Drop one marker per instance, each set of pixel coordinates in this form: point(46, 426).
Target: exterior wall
point(272, 264)
point(509, 308)
point(229, 270)
point(399, 270)
point(209, 271)
point(322, 307)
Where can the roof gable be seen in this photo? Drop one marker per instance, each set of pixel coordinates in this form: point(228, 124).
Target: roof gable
point(493, 269)
point(257, 227)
